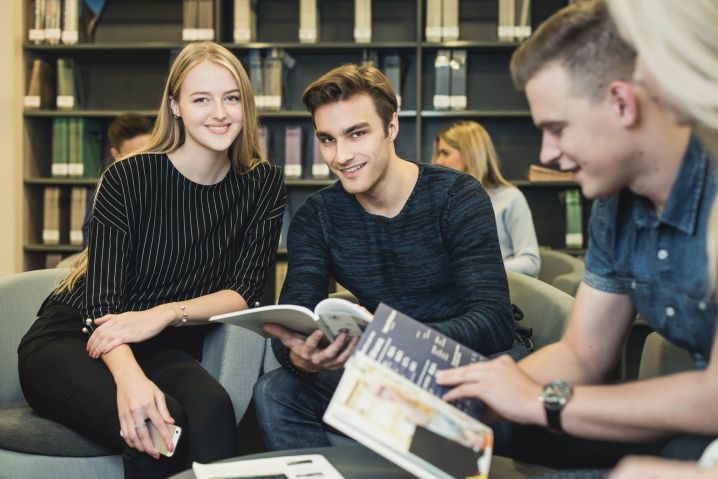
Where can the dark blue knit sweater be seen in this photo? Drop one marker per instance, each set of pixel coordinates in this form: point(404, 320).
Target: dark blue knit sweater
point(438, 260)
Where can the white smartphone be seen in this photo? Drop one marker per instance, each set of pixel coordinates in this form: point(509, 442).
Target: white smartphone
point(159, 443)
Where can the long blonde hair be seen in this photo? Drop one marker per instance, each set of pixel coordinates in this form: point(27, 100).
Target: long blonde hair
point(476, 149)
point(168, 132)
point(677, 41)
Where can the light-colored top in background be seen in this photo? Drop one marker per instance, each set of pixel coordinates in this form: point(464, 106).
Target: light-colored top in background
point(517, 237)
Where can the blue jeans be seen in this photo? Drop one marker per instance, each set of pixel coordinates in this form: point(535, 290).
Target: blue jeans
point(290, 408)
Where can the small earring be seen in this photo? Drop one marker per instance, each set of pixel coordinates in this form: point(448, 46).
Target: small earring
point(176, 116)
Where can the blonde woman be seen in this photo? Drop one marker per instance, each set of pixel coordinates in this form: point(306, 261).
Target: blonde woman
point(466, 146)
point(677, 46)
point(181, 231)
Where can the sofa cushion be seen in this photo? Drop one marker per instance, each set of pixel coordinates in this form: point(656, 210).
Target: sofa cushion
point(22, 430)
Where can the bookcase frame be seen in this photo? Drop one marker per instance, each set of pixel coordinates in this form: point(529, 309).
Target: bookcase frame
point(124, 69)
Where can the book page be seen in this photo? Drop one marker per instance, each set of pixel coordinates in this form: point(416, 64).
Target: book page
point(406, 424)
point(339, 315)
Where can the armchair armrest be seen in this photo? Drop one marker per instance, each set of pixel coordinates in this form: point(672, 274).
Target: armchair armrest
point(234, 357)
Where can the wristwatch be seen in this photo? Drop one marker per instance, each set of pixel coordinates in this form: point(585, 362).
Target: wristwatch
point(554, 397)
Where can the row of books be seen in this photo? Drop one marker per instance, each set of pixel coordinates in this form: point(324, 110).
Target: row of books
point(294, 165)
point(63, 214)
point(514, 20)
point(245, 21)
point(198, 20)
point(55, 21)
point(442, 20)
point(77, 148)
point(44, 93)
point(266, 73)
point(450, 80)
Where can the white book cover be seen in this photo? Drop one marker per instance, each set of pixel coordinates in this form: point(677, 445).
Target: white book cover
point(333, 316)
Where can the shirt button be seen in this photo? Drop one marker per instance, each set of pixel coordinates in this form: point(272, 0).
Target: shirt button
point(662, 254)
point(88, 321)
point(702, 305)
point(84, 330)
point(670, 312)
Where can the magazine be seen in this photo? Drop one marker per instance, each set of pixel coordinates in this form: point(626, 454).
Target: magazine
point(287, 467)
point(388, 400)
point(333, 316)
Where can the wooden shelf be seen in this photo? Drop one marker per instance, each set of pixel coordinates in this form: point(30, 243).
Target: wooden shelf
point(475, 114)
point(296, 46)
point(471, 45)
point(310, 183)
point(61, 181)
point(545, 184)
point(101, 47)
point(54, 248)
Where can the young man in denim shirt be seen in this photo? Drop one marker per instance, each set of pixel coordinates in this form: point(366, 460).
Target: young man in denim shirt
point(647, 253)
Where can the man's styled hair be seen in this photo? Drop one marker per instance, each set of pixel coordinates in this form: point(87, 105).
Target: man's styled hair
point(127, 126)
point(345, 81)
point(583, 38)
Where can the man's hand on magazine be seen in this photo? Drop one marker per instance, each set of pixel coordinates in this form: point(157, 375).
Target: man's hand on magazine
point(501, 384)
point(305, 352)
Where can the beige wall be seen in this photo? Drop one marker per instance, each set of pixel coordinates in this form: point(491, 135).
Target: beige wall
point(11, 92)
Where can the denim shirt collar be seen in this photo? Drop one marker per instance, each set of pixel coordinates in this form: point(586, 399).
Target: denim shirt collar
point(683, 205)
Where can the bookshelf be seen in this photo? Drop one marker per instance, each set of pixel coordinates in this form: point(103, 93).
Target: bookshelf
point(124, 66)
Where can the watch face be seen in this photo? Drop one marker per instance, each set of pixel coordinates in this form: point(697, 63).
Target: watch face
point(556, 393)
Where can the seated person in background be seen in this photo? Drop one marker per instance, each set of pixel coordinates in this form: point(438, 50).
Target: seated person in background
point(185, 229)
point(654, 188)
point(418, 237)
point(127, 133)
point(466, 146)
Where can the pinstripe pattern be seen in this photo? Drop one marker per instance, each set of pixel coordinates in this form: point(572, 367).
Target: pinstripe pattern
point(157, 237)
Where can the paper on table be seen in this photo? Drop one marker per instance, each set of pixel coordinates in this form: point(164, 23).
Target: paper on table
point(289, 467)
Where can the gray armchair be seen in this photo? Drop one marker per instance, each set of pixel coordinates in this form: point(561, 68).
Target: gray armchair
point(32, 446)
point(561, 270)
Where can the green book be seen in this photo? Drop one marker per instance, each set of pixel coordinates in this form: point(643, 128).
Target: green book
point(59, 148)
point(574, 220)
point(91, 147)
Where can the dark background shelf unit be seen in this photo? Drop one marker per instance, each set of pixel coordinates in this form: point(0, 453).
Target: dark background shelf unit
point(124, 66)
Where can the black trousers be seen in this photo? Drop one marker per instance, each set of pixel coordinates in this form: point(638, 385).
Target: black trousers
point(61, 382)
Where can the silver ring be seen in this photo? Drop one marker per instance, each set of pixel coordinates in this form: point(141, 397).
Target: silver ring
point(140, 426)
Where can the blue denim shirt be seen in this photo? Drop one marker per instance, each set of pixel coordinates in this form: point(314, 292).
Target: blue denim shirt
point(660, 262)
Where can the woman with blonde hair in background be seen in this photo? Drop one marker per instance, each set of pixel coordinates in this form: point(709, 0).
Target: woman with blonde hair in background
point(677, 45)
point(466, 146)
point(182, 230)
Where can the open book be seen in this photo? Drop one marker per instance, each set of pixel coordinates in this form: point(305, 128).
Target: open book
point(388, 400)
point(333, 316)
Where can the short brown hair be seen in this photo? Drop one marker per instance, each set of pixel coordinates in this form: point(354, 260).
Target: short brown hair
point(127, 126)
point(345, 81)
point(583, 38)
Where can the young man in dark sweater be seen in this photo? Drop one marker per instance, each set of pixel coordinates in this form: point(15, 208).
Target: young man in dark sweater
point(420, 238)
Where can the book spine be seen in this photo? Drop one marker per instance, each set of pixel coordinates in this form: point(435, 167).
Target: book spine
point(243, 19)
point(442, 80)
point(36, 34)
point(458, 99)
point(574, 220)
point(362, 21)
point(320, 169)
point(51, 215)
point(450, 20)
point(392, 68)
point(308, 21)
point(433, 31)
point(190, 20)
point(293, 152)
point(70, 30)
